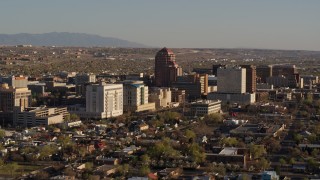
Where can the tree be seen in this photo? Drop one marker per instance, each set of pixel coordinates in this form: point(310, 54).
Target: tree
point(190, 134)
point(263, 164)
point(144, 170)
point(163, 149)
point(213, 118)
point(282, 161)
point(220, 169)
point(74, 117)
point(2, 133)
point(196, 153)
point(292, 161)
point(273, 145)
point(82, 151)
point(123, 169)
point(47, 150)
point(89, 166)
point(145, 159)
point(11, 168)
point(297, 138)
point(314, 153)
point(230, 141)
point(169, 116)
point(257, 151)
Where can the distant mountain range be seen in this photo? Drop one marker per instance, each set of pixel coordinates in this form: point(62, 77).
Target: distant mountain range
point(65, 39)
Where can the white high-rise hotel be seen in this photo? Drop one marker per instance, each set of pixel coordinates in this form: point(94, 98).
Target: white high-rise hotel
point(135, 98)
point(104, 100)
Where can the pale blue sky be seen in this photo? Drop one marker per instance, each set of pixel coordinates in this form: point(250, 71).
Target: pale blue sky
point(272, 24)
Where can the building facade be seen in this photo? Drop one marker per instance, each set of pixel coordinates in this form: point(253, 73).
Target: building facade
point(161, 97)
point(85, 78)
point(215, 68)
point(263, 72)
point(166, 68)
point(11, 97)
point(195, 85)
point(205, 107)
point(231, 80)
point(251, 78)
point(36, 116)
point(15, 81)
point(178, 95)
point(136, 97)
point(103, 101)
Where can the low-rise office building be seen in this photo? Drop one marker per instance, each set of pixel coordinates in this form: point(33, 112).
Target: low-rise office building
point(35, 116)
point(204, 107)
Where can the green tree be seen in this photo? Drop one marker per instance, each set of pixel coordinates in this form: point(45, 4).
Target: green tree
point(145, 159)
point(230, 141)
point(263, 164)
point(292, 161)
point(169, 116)
point(2, 133)
point(47, 150)
point(82, 151)
point(11, 168)
point(220, 169)
point(297, 138)
point(144, 170)
point(314, 153)
point(196, 153)
point(213, 118)
point(74, 117)
point(190, 134)
point(163, 149)
point(123, 169)
point(89, 166)
point(257, 151)
point(282, 161)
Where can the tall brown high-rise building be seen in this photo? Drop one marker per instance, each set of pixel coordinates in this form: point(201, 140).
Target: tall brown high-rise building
point(166, 68)
point(263, 72)
point(251, 78)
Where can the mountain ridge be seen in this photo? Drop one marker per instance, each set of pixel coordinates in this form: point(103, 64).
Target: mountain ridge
point(66, 39)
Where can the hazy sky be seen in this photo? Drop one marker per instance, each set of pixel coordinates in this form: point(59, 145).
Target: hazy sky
point(272, 24)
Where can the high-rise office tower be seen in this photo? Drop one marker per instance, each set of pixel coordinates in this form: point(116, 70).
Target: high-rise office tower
point(231, 80)
point(263, 72)
point(104, 100)
point(11, 97)
point(166, 68)
point(251, 78)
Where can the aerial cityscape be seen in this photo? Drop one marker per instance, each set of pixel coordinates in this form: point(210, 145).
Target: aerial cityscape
point(188, 93)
